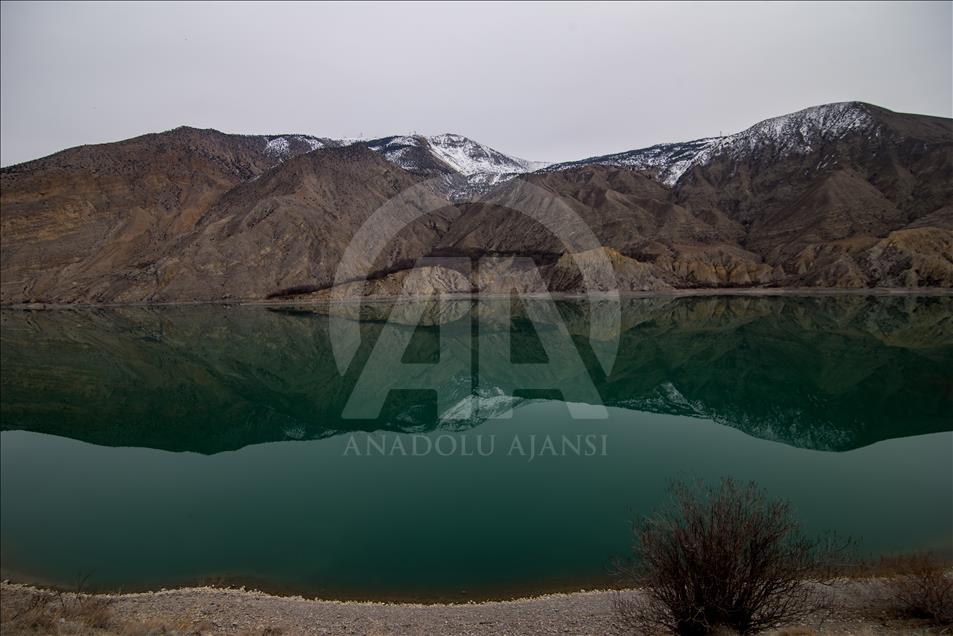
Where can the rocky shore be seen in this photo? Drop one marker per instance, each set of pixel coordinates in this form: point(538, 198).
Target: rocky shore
point(862, 608)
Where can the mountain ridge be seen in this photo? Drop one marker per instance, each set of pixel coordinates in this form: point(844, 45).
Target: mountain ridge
point(841, 195)
point(670, 159)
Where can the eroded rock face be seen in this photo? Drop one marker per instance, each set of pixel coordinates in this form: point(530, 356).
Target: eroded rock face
point(587, 271)
point(419, 281)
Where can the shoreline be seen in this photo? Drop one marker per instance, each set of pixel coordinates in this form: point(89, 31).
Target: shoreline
point(504, 594)
point(862, 606)
point(256, 592)
point(601, 295)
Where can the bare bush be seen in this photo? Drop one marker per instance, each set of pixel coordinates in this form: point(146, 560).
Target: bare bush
point(923, 589)
point(52, 612)
point(725, 558)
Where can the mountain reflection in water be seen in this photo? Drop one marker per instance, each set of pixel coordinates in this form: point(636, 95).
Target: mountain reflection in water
point(826, 372)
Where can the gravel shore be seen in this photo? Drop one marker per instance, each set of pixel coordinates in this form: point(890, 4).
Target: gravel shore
point(28, 610)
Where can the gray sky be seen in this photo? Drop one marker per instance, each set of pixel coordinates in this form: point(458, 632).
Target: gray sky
point(541, 81)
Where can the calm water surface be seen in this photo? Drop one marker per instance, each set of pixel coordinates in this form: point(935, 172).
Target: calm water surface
point(159, 447)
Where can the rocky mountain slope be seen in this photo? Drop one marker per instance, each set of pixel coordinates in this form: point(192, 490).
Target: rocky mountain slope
point(841, 195)
point(288, 229)
point(798, 133)
point(75, 218)
point(196, 215)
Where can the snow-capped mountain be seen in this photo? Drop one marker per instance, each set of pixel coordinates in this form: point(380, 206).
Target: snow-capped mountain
point(284, 147)
point(794, 133)
point(469, 167)
point(847, 195)
point(668, 161)
point(455, 152)
point(469, 157)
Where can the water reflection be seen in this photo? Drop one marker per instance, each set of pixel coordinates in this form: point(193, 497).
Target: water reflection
point(313, 517)
point(830, 373)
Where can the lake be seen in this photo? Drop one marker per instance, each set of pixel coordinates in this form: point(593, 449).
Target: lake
point(456, 449)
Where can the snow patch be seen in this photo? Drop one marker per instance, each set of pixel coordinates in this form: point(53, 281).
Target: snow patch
point(469, 157)
point(278, 146)
point(313, 142)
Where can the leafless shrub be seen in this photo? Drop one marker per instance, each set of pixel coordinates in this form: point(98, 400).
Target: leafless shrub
point(923, 589)
point(725, 558)
point(30, 617)
point(26, 611)
point(91, 611)
point(47, 612)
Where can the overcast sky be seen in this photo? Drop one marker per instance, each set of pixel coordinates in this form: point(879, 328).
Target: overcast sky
point(541, 81)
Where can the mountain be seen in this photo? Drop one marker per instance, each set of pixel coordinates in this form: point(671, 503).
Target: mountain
point(840, 195)
point(799, 133)
point(71, 220)
point(843, 195)
point(193, 215)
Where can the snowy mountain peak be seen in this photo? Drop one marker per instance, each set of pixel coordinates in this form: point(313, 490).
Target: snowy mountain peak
point(471, 168)
point(469, 157)
point(454, 152)
point(669, 161)
point(283, 146)
point(794, 133)
point(468, 166)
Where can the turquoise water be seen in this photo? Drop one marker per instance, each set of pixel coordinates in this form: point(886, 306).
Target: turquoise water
point(159, 447)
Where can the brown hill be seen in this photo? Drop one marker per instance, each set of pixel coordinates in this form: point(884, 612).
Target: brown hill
point(74, 221)
point(191, 215)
